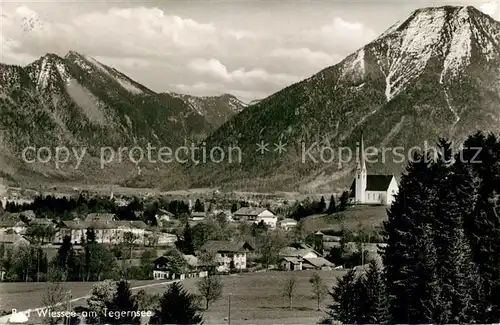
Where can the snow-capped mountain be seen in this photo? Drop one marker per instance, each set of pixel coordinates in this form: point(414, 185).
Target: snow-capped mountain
point(76, 100)
point(435, 73)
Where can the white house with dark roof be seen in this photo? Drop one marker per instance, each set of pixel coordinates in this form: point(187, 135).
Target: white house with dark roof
point(256, 215)
point(110, 232)
point(372, 189)
point(101, 217)
point(228, 254)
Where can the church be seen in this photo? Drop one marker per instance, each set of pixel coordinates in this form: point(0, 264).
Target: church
point(372, 189)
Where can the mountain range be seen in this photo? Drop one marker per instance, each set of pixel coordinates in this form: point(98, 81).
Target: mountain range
point(433, 74)
point(77, 101)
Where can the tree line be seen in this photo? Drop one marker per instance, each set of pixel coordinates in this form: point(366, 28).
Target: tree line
point(441, 262)
point(309, 207)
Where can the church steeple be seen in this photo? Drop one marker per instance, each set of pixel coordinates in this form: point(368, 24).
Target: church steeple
point(361, 173)
point(361, 155)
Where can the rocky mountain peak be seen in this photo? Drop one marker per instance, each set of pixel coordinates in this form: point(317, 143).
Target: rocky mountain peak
point(450, 37)
point(433, 74)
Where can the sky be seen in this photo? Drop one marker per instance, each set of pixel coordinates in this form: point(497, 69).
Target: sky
point(250, 48)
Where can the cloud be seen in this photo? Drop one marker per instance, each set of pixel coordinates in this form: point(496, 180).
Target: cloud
point(203, 88)
point(127, 63)
point(162, 50)
point(215, 68)
point(491, 8)
point(342, 32)
point(317, 58)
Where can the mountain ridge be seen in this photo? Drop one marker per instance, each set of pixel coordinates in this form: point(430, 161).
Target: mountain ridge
point(435, 73)
point(77, 101)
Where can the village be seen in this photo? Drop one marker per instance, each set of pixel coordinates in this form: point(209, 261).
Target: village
point(85, 237)
point(213, 233)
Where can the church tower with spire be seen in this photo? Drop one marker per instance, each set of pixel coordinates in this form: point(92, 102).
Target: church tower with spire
point(373, 188)
point(361, 173)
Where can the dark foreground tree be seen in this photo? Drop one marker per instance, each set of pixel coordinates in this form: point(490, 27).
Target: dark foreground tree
point(123, 302)
point(376, 306)
point(346, 304)
point(177, 306)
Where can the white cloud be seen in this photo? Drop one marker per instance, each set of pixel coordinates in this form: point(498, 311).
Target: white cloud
point(491, 8)
point(316, 58)
point(216, 68)
point(128, 63)
point(204, 88)
point(160, 49)
point(340, 29)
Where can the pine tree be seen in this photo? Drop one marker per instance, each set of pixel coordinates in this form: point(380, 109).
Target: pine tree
point(344, 201)
point(123, 301)
point(479, 162)
point(321, 205)
point(410, 212)
point(187, 242)
point(234, 208)
point(461, 283)
point(376, 303)
point(198, 206)
point(458, 274)
point(331, 206)
point(63, 252)
point(177, 306)
point(346, 303)
point(426, 303)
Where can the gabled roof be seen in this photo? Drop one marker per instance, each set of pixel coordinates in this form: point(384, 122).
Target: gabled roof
point(293, 260)
point(374, 183)
point(100, 217)
point(162, 212)
point(104, 224)
point(9, 223)
point(249, 211)
point(42, 222)
point(318, 262)
point(12, 238)
point(29, 214)
point(226, 246)
point(196, 214)
point(296, 252)
point(191, 260)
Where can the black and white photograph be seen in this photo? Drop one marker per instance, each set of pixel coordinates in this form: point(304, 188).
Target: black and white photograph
point(249, 162)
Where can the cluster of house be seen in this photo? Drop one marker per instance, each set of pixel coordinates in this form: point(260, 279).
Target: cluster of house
point(229, 255)
point(107, 229)
point(249, 214)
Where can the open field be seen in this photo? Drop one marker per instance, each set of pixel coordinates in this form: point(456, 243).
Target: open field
point(22, 296)
point(255, 297)
point(368, 216)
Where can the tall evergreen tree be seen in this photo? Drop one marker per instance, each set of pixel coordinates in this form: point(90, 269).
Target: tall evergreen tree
point(410, 212)
point(454, 203)
point(123, 301)
point(63, 253)
point(426, 304)
point(187, 241)
point(344, 201)
point(331, 206)
point(376, 305)
point(198, 206)
point(177, 306)
point(346, 300)
point(321, 205)
point(480, 161)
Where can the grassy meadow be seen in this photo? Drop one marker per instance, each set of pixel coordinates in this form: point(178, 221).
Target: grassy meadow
point(255, 297)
